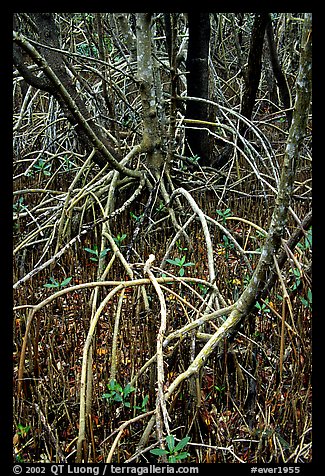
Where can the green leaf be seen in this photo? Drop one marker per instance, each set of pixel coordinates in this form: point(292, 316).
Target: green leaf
point(181, 272)
point(54, 283)
point(309, 239)
point(112, 385)
point(161, 206)
point(295, 285)
point(23, 430)
point(170, 440)
point(189, 264)
point(66, 281)
point(104, 253)
point(182, 261)
point(119, 238)
point(219, 389)
point(203, 288)
point(94, 251)
point(135, 217)
point(304, 301)
point(127, 390)
point(159, 452)
point(310, 295)
point(180, 445)
point(182, 456)
point(145, 400)
point(172, 261)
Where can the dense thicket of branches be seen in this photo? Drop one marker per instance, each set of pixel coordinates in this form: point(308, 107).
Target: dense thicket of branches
point(162, 237)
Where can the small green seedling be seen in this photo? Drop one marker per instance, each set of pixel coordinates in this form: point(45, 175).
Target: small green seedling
point(263, 308)
point(95, 253)
point(56, 284)
point(118, 239)
point(203, 289)
point(68, 164)
point(179, 246)
point(161, 207)
point(19, 458)
point(297, 279)
point(136, 218)
point(173, 451)
point(19, 206)
point(143, 406)
point(180, 262)
point(23, 430)
point(224, 215)
point(220, 390)
point(195, 159)
point(309, 301)
point(42, 167)
point(117, 394)
point(307, 241)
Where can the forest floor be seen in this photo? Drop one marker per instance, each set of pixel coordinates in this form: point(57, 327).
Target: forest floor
point(254, 402)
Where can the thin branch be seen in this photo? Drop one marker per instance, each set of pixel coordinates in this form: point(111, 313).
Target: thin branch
point(160, 358)
point(20, 40)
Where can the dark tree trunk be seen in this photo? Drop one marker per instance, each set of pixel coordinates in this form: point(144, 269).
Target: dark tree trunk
point(277, 71)
point(254, 67)
point(199, 142)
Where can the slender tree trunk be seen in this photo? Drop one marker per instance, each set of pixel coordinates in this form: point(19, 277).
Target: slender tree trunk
point(171, 38)
point(254, 67)
point(151, 137)
point(277, 71)
point(197, 64)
